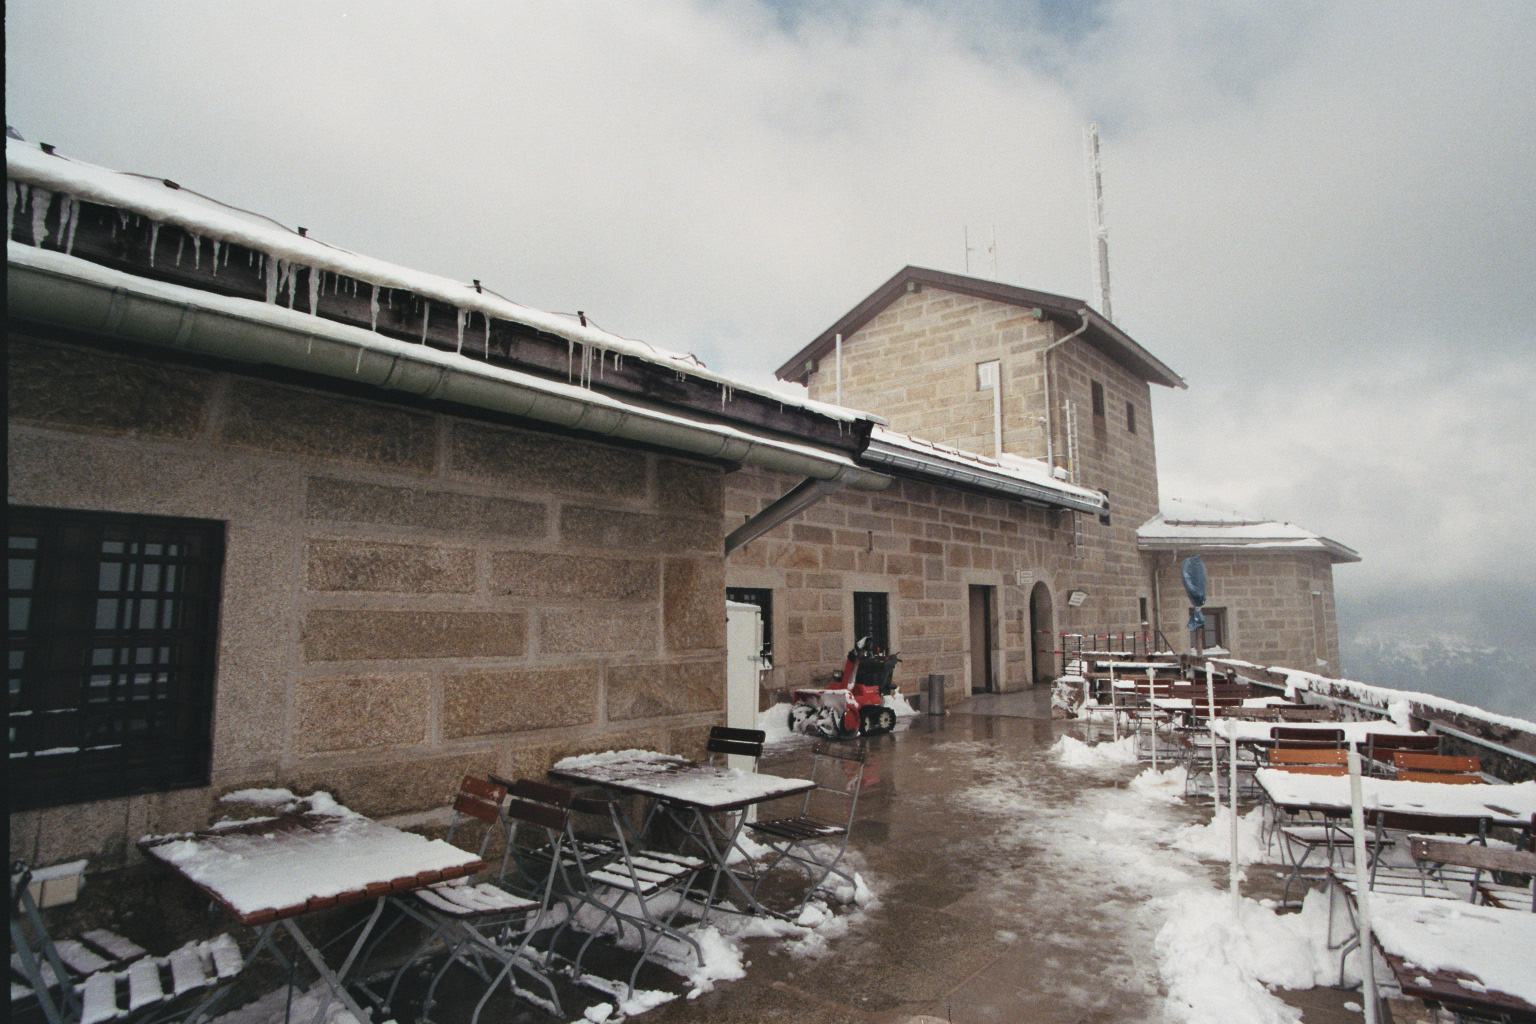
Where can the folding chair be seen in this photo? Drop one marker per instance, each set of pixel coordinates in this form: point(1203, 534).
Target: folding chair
point(489, 927)
point(1318, 739)
point(1412, 767)
point(1380, 747)
point(1403, 880)
point(638, 888)
point(103, 976)
point(814, 841)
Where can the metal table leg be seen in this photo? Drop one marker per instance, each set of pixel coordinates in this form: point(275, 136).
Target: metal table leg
point(335, 980)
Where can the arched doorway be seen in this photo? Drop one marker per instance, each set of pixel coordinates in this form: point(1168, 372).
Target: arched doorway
point(1041, 632)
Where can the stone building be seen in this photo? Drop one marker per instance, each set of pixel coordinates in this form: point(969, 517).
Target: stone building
point(976, 587)
point(284, 515)
point(281, 514)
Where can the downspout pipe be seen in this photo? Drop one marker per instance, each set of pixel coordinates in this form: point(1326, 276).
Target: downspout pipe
point(50, 288)
point(1045, 366)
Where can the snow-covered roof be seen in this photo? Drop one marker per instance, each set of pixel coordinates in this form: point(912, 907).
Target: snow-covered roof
point(1010, 475)
point(1190, 525)
point(30, 168)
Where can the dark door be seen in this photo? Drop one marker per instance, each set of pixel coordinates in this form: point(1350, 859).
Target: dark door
point(981, 640)
point(1040, 629)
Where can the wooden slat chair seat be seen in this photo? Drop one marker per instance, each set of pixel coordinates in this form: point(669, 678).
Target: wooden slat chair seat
point(1411, 766)
point(631, 890)
point(113, 995)
point(465, 899)
point(799, 828)
point(1318, 739)
point(816, 842)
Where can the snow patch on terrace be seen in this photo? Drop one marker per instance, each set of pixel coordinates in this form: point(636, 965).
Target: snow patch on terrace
point(1125, 864)
point(1074, 753)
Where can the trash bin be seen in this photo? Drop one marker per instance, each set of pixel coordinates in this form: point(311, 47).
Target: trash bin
point(933, 695)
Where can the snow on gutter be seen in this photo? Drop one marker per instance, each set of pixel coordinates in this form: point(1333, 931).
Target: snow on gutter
point(50, 287)
point(37, 179)
point(891, 450)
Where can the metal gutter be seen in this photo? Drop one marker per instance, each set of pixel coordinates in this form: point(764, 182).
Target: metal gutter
point(50, 288)
point(904, 460)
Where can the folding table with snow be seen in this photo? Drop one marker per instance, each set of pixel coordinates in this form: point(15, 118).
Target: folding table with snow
point(315, 855)
point(706, 802)
point(102, 976)
point(1473, 961)
point(816, 839)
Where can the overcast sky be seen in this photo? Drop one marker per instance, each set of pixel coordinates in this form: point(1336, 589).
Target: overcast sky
point(1320, 214)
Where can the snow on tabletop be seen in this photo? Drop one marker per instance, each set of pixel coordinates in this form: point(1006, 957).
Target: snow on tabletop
point(1354, 732)
point(707, 786)
point(632, 759)
point(340, 851)
point(1497, 947)
point(36, 175)
point(1513, 802)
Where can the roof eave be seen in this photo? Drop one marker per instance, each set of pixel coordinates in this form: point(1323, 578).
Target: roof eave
point(899, 459)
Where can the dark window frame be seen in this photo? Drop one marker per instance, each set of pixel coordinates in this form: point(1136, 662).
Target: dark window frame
point(1130, 417)
point(762, 597)
point(1096, 396)
point(872, 618)
point(112, 647)
point(1218, 628)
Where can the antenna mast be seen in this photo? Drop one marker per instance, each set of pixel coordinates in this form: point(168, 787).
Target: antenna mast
point(1098, 232)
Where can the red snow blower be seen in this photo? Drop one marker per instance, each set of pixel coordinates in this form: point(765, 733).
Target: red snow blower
point(855, 703)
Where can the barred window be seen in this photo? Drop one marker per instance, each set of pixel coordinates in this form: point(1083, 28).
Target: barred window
point(872, 618)
point(112, 624)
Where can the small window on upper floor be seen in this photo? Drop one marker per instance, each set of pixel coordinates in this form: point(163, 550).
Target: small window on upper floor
point(1098, 399)
point(986, 375)
point(1130, 417)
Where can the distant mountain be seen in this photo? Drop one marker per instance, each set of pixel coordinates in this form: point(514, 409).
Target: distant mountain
point(1496, 678)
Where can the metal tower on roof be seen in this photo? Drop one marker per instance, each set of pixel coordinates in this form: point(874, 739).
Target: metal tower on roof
point(1098, 231)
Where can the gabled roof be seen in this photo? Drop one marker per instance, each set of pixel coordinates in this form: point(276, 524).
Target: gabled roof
point(1101, 333)
point(1190, 526)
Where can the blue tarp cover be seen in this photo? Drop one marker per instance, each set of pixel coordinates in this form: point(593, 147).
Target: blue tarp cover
point(1193, 573)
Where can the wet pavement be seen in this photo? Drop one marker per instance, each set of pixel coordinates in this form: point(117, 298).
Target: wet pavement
point(1011, 889)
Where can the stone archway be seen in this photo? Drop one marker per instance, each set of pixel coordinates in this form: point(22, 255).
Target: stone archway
point(1042, 632)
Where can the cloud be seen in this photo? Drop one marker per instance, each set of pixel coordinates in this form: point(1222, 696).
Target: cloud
point(1319, 213)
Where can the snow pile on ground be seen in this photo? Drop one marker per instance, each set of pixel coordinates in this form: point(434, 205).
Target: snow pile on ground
point(1166, 786)
point(1218, 968)
point(1213, 839)
point(897, 702)
point(775, 724)
point(1074, 753)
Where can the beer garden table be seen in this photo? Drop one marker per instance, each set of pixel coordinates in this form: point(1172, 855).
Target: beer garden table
point(689, 793)
point(313, 855)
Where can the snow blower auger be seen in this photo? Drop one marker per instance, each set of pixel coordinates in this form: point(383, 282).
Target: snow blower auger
point(854, 705)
